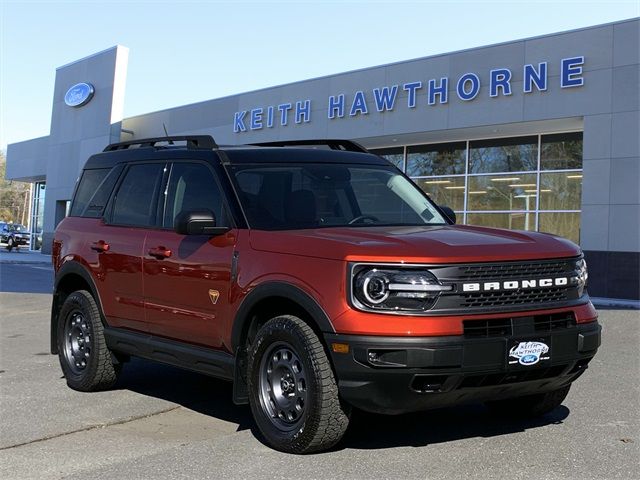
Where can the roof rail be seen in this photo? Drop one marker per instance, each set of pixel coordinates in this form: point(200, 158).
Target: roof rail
point(333, 144)
point(194, 142)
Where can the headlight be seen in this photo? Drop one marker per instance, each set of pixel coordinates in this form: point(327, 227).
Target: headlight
point(583, 276)
point(395, 289)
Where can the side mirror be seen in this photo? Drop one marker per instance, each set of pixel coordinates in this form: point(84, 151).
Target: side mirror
point(449, 213)
point(197, 222)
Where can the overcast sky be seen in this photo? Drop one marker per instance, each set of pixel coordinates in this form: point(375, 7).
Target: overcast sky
point(190, 51)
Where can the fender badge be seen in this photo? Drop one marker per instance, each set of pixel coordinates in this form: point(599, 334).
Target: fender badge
point(214, 295)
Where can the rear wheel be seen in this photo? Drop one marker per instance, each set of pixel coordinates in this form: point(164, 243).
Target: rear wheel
point(530, 405)
point(292, 390)
point(86, 361)
point(10, 244)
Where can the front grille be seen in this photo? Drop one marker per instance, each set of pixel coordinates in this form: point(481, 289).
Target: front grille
point(514, 297)
point(514, 270)
point(507, 327)
point(495, 327)
point(556, 321)
point(482, 299)
point(475, 381)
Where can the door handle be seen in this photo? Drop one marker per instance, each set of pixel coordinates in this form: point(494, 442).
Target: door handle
point(100, 246)
point(160, 252)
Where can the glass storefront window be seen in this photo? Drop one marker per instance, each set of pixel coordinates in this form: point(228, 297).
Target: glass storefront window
point(527, 183)
point(517, 154)
point(438, 159)
point(395, 155)
point(37, 215)
point(561, 151)
point(560, 191)
point(512, 221)
point(447, 191)
point(565, 224)
point(502, 192)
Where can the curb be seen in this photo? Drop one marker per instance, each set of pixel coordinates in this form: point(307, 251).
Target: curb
point(23, 262)
point(615, 303)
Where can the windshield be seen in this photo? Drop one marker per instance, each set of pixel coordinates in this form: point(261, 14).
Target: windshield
point(294, 196)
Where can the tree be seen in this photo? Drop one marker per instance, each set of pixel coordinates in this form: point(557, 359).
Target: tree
point(14, 197)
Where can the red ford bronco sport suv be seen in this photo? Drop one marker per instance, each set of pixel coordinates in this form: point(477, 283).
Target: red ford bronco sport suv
point(317, 280)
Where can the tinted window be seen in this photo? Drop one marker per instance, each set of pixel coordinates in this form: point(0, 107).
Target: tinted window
point(135, 201)
point(503, 155)
point(191, 186)
point(395, 155)
point(561, 151)
point(279, 197)
point(88, 185)
point(94, 208)
point(437, 159)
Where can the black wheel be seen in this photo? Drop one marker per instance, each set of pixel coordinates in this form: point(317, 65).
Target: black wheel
point(86, 361)
point(292, 389)
point(10, 244)
point(530, 405)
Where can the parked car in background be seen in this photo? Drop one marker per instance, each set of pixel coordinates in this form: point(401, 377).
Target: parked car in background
point(13, 235)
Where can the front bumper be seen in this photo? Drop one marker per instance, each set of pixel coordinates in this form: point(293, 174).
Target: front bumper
point(396, 375)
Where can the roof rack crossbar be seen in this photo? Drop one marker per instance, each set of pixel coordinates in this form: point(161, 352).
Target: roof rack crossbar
point(333, 144)
point(194, 142)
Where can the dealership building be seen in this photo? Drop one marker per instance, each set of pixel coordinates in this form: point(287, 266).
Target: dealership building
point(535, 134)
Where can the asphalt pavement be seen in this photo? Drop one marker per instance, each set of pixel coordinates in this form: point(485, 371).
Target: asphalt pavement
point(162, 422)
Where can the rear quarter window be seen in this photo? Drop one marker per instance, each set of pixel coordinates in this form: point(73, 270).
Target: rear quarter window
point(93, 192)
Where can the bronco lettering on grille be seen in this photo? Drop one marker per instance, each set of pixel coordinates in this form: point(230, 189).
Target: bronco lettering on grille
point(515, 284)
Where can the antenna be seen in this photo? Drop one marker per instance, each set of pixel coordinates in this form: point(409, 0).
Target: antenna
point(166, 134)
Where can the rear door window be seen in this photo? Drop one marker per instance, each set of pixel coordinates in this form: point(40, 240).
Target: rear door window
point(135, 202)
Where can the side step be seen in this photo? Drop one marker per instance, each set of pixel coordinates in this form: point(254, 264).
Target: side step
point(202, 360)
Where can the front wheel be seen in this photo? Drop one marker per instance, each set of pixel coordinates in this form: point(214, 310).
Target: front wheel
point(10, 244)
point(531, 405)
point(292, 390)
point(86, 361)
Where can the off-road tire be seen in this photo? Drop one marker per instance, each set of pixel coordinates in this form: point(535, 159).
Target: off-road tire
point(80, 318)
point(530, 405)
point(323, 419)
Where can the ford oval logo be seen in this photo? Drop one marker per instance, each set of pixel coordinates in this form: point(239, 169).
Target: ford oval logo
point(529, 359)
point(78, 95)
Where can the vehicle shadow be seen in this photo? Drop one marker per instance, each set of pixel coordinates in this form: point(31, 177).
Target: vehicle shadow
point(370, 431)
point(212, 397)
point(194, 391)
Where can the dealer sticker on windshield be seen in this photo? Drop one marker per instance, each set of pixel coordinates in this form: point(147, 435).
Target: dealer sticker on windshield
point(528, 353)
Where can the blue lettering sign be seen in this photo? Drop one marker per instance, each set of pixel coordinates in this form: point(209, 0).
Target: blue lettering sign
point(256, 119)
point(336, 106)
point(303, 111)
point(571, 72)
point(270, 117)
point(359, 104)
point(238, 122)
point(463, 92)
point(284, 109)
point(411, 89)
point(500, 78)
point(467, 86)
point(538, 77)
point(385, 98)
point(440, 90)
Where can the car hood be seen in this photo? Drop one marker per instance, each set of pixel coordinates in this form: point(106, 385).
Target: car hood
point(427, 244)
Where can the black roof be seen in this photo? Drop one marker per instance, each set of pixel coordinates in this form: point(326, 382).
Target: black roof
point(243, 154)
point(300, 155)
